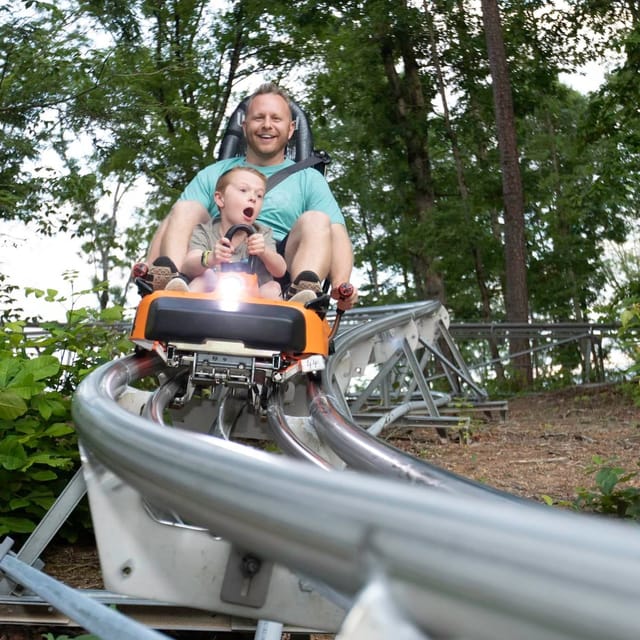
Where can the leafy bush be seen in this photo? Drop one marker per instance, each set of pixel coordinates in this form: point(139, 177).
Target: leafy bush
point(630, 342)
point(39, 371)
point(611, 494)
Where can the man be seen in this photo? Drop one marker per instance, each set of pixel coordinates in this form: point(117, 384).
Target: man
point(307, 223)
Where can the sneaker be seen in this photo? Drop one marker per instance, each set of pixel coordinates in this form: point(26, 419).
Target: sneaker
point(306, 281)
point(303, 296)
point(179, 283)
point(161, 272)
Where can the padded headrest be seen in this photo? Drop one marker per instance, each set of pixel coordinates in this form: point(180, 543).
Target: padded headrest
point(233, 143)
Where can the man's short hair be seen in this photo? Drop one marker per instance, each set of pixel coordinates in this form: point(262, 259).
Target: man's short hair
point(271, 88)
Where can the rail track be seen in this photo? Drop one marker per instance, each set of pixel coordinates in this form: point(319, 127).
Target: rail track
point(343, 533)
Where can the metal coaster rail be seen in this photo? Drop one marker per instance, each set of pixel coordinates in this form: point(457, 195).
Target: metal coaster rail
point(397, 541)
point(447, 560)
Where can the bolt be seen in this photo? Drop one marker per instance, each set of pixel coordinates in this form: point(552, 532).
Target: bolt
point(250, 565)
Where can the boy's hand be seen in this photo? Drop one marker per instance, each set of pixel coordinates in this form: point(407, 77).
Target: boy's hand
point(255, 244)
point(223, 250)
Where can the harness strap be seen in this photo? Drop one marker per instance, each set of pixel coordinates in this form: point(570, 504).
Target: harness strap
point(318, 157)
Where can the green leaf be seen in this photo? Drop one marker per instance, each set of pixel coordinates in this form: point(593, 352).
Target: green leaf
point(17, 503)
point(26, 387)
point(626, 317)
point(12, 453)
point(112, 314)
point(27, 425)
point(16, 525)
point(59, 429)
point(50, 460)
point(11, 405)
point(8, 369)
point(58, 408)
point(607, 478)
point(42, 406)
point(45, 502)
point(42, 367)
point(44, 476)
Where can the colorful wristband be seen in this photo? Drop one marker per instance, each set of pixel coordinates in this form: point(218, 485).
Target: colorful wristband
point(204, 259)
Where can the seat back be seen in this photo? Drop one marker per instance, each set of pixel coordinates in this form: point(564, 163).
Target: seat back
point(299, 148)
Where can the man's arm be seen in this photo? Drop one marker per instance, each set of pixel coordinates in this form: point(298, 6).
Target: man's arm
point(174, 233)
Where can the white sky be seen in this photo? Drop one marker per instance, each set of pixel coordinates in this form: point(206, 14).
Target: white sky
point(31, 260)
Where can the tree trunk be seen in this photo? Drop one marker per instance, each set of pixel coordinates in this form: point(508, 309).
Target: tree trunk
point(516, 294)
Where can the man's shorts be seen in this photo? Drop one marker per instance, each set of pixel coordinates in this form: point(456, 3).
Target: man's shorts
point(285, 280)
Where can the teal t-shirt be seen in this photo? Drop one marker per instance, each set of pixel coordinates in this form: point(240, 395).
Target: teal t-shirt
point(302, 191)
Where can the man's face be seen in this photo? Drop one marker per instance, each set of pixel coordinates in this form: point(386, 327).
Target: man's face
point(267, 128)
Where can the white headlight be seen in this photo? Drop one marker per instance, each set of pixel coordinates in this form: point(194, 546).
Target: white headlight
point(230, 289)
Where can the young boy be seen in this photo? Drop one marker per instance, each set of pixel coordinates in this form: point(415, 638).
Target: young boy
point(238, 194)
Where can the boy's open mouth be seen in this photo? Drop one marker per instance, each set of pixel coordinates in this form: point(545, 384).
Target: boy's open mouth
point(248, 212)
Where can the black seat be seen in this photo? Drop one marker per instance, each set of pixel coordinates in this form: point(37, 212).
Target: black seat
point(300, 146)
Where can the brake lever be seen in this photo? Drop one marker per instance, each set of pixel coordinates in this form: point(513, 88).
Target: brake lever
point(345, 290)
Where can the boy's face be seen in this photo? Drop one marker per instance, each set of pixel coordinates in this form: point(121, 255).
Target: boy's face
point(241, 200)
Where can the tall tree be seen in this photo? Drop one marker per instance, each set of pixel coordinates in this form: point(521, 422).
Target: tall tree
point(41, 72)
point(396, 91)
point(516, 295)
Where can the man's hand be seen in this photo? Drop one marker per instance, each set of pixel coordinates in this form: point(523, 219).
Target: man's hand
point(346, 294)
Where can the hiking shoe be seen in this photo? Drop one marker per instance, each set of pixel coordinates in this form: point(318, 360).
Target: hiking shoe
point(303, 296)
point(161, 272)
point(306, 281)
point(178, 283)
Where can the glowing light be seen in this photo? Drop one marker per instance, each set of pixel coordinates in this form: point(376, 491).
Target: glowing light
point(231, 288)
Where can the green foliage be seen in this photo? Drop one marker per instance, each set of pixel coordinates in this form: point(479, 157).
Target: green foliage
point(611, 494)
point(41, 71)
point(39, 372)
point(630, 341)
point(398, 93)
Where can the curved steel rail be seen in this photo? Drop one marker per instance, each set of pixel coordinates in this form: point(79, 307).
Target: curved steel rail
point(364, 452)
point(455, 565)
point(287, 439)
point(383, 341)
point(358, 448)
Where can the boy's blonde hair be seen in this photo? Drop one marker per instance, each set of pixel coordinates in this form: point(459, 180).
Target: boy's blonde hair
point(225, 178)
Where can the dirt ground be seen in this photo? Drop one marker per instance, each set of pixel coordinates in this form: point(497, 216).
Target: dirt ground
point(544, 446)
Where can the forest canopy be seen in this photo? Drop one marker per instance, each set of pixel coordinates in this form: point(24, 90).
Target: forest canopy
point(467, 169)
